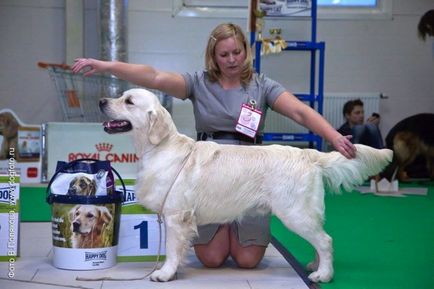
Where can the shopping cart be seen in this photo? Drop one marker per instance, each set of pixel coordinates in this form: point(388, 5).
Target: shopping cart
point(79, 95)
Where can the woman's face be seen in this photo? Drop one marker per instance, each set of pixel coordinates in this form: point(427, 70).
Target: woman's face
point(230, 56)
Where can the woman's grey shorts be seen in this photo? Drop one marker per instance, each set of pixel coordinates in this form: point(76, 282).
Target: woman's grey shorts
point(251, 230)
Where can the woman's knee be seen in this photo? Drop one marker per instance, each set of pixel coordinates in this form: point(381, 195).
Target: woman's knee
point(215, 253)
point(248, 257)
point(211, 258)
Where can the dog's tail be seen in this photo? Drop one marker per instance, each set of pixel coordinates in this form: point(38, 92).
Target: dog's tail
point(342, 173)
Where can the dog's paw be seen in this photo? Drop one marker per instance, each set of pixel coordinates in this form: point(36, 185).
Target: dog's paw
point(162, 276)
point(318, 276)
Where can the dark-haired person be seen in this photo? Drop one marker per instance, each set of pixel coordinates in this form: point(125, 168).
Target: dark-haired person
point(367, 133)
point(426, 25)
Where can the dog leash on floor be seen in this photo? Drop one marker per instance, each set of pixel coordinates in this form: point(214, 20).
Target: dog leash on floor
point(160, 220)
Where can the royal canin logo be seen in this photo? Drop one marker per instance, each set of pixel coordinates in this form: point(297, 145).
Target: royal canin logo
point(104, 153)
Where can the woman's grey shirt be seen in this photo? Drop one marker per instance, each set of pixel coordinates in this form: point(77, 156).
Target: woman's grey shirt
point(218, 109)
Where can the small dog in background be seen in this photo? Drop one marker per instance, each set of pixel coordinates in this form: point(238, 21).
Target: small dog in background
point(412, 141)
point(87, 225)
point(9, 130)
point(82, 186)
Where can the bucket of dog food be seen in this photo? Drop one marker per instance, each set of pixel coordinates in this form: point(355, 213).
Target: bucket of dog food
point(85, 214)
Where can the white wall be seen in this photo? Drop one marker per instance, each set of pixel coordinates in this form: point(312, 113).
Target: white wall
point(361, 55)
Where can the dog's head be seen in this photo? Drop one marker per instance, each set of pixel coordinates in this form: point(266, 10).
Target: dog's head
point(87, 218)
point(138, 110)
point(82, 186)
point(8, 125)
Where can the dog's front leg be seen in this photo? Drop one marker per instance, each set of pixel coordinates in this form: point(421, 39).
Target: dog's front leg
point(177, 233)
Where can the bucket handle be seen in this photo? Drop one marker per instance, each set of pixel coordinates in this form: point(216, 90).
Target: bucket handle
point(70, 164)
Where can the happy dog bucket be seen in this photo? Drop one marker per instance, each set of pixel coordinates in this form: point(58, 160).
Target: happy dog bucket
point(85, 215)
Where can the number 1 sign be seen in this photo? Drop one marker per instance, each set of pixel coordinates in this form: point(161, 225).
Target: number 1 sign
point(139, 232)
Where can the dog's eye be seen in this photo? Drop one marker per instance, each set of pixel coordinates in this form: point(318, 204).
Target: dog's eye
point(89, 215)
point(129, 101)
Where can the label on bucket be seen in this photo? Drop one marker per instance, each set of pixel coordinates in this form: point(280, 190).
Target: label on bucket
point(84, 259)
point(85, 236)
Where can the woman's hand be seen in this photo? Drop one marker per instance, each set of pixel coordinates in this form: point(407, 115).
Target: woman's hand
point(343, 145)
point(90, 65)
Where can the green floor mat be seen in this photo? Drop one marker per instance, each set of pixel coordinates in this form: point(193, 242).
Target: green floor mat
point(379, 242)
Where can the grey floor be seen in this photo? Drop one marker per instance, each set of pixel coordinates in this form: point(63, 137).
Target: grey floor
point(33, 269)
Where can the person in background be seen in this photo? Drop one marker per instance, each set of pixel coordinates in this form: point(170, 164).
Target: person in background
point(218, 94)
point(362, 133)
point(426, 25)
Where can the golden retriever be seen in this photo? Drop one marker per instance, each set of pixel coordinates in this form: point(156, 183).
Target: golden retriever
point(87, 225)
point(82, 186)
point(9, 130)
point(193, 183)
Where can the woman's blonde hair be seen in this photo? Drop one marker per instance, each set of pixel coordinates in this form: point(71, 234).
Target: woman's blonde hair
point(222, 32)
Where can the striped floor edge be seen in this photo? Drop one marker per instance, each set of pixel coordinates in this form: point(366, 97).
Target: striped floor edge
point(294, 263)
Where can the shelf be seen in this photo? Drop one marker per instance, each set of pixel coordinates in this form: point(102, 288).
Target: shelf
point(315, 98)
point(282, 137)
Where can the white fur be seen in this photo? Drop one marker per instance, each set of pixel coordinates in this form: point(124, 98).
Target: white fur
point(219, 183)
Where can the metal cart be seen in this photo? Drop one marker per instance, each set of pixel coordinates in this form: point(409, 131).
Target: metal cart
point(79, 95)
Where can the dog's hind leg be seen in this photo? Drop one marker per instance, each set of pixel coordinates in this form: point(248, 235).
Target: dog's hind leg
point(305, 218)
point(311, 230)
point(178, 235)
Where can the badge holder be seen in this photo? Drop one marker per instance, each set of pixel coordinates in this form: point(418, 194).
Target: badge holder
point(249, 119)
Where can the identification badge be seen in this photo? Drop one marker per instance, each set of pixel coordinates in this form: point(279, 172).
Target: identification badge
point(249, 120)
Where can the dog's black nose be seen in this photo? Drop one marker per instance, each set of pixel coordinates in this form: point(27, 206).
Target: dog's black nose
point(102, 103)
point(76, 227)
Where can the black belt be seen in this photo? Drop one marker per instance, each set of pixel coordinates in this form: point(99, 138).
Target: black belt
point(228, 135)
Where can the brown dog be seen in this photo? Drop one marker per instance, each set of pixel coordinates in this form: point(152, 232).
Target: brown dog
point(87, 225)
point(9, 130)
point(412, 141)
point(82, 186)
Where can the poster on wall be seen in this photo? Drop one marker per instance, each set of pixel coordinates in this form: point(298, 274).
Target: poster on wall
point(20, 147)
point(286, 8)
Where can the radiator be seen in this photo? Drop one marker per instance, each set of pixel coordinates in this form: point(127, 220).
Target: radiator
point(332, 111)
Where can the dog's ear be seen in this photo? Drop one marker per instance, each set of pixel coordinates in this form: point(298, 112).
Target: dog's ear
point(158, 126)
point(72, 212)
point(106, 216)
point(11, 126)
point(72, 182)
point(92, 187)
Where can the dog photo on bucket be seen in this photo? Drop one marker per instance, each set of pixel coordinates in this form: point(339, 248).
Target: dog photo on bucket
point(83, 226)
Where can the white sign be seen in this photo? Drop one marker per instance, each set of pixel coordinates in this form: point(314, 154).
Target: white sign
point(72, 141)
point(141, 238)
point(287, 8)
point(9, 217)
